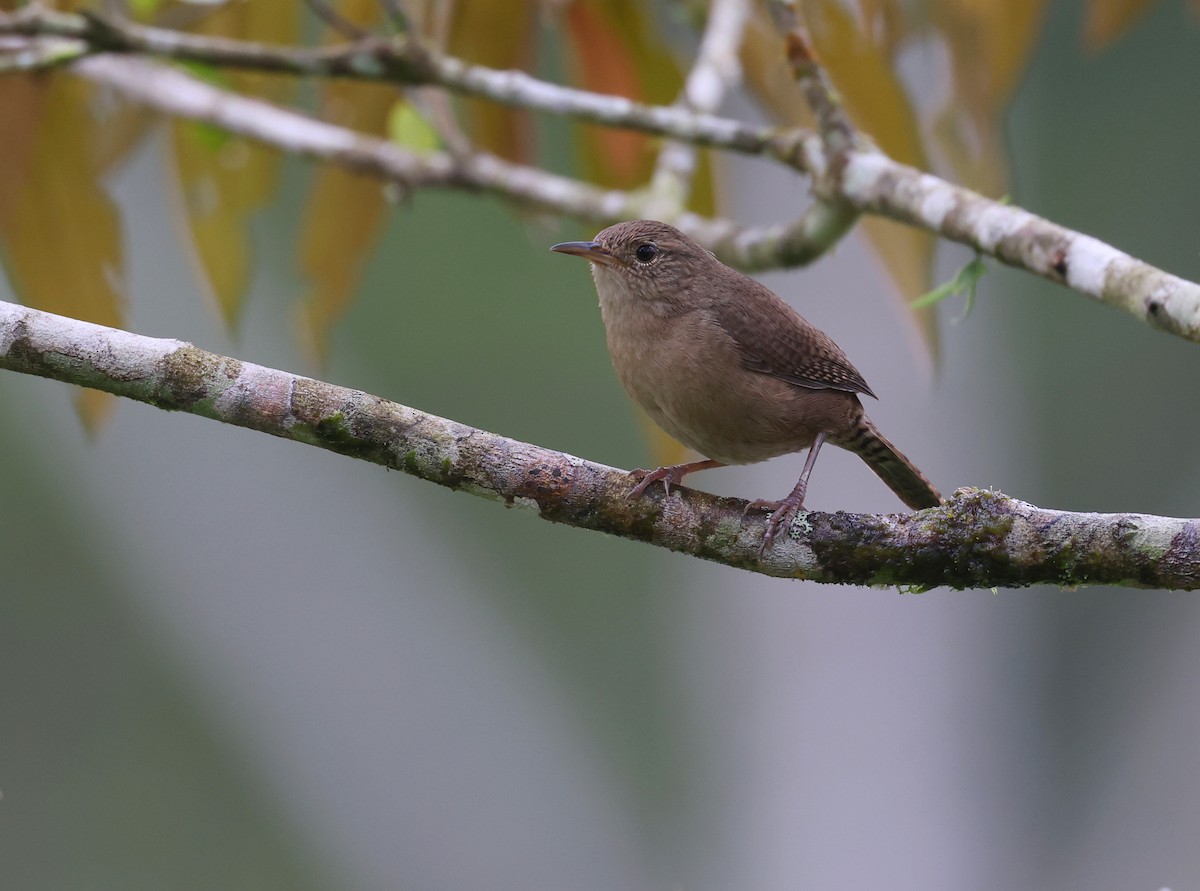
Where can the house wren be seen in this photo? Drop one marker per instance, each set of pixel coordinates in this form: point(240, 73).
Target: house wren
point(727, 368)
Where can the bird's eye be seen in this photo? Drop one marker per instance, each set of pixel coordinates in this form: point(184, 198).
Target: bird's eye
point(646, 252)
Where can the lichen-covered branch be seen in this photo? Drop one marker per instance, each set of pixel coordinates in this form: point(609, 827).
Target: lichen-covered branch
point(877, 184)
point(978, 539)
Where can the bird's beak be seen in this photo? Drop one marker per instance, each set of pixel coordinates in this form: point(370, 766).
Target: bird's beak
point(592, 251)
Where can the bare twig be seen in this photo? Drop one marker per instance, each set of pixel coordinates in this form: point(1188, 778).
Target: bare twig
point(979, 539)
point(838, 134)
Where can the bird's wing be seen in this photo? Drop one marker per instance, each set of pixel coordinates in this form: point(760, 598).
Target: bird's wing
point(774, 340)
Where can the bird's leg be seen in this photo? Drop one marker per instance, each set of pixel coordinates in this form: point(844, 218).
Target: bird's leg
point(670, 476)
point(783, 511)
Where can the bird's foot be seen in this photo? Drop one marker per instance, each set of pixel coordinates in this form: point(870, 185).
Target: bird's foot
point(782, 514)
point(669, 476)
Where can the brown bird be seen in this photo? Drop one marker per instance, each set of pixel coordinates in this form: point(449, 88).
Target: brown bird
point(727, 368)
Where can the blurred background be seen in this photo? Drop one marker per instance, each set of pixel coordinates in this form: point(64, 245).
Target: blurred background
point(234, 662)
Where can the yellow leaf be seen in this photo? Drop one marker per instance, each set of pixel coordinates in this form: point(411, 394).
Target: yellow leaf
point(60, 234)
point(767, 73)
point(863, 76)
point(219, 191)
point(366, 14)
point(21, 103)
point(907, 256)
point(341, 224)
point(407, 127)
point(990, 45)
point(144, 10)
point(94, 408)
point(664, 450)
point(1109, 19)
point(861, 69)
point(344, 210)
point(887, 20)
point(224, 182)
point(500, 34)
point(343, 215)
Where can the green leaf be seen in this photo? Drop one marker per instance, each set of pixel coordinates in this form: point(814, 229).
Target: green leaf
point(966, 280)
point(407, 127)
point(144, 10)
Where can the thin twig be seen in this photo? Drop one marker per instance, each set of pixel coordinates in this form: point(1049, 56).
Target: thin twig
point(716, 70)
point(177, 93)
point(837, 132)
point(405, 60)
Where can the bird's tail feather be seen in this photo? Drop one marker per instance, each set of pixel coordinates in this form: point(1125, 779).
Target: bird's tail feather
point(900, 474)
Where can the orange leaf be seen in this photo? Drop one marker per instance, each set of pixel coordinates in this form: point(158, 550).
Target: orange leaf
point(615, 50)
point(604, 62)
point(59, 231)
point(1109, 19)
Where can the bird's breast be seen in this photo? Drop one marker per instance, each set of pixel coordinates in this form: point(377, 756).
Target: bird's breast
point(685, 371)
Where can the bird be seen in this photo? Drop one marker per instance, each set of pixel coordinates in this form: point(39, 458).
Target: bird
point(725, 366)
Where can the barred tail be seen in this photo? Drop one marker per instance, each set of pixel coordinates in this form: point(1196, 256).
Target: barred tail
point(901, 476)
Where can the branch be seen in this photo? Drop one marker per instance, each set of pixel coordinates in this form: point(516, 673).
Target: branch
point(875, 183)
point(861, 179)
point(978, 539)
point(837, 132)
point(404, 60)
point(716, 69)
point(177, 93)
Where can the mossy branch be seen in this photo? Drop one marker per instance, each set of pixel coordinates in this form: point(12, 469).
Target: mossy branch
point(977, 540)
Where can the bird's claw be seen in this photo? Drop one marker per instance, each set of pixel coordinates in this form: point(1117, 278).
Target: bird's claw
point(782, 514)
point(646, 478)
